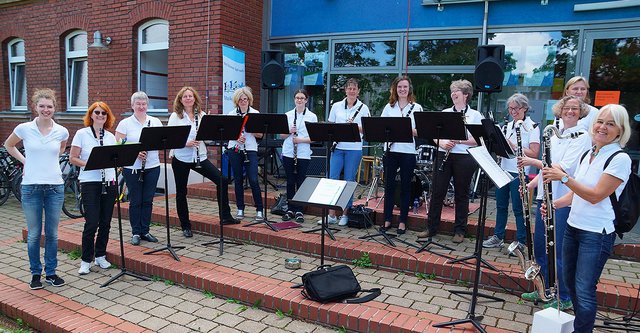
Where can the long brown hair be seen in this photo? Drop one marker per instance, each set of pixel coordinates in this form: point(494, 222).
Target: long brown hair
point(178, 107)
point(393, 97)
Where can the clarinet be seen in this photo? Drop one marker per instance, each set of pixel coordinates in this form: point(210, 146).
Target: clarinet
point(104, 181)
point(335, 144)
point(295, 135)
point(141, 173)
point(446, 154)
point(195, 117)
point(389, 144)
point(244, 146)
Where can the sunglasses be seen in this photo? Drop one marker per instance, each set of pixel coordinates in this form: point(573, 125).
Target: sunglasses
point(98, 112)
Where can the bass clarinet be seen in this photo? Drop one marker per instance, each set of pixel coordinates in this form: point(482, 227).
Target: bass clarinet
point(526, 205)
point(533, 272)
point(104, 181)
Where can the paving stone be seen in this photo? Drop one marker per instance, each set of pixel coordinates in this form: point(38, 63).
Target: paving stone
point(251, 326)
point(135, 316)
point(154, 323)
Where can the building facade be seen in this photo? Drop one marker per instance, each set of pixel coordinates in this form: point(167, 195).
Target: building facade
point(160, 46)
point(156, 46)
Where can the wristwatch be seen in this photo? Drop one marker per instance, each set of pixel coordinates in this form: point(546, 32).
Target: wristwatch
point(564, 179)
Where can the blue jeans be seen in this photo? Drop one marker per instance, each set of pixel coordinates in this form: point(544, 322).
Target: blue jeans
point(584, 254)
point(349, 160)
point(141, 198)
point(238, 167)
point(35, 199)
point(502, 209)
point(539, 247)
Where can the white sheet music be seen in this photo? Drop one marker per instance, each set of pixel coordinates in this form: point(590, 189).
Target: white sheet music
point(328, 191)
point(490, 167)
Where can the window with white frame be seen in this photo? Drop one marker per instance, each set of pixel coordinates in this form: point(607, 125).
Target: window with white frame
point(153, 63)
point(17, 75)
point(77, 72)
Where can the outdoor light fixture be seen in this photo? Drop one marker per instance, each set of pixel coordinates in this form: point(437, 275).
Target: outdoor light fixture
point(98, 42)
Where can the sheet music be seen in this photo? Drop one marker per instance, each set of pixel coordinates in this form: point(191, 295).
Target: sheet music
point(328, 191)
point(490, 167)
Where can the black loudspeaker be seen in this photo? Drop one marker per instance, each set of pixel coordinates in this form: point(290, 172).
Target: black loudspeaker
point(272, 69)
point(489, 72)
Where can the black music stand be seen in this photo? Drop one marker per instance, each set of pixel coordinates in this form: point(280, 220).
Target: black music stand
point(329, 133)
point(304, 195)
point(266, 124)
point(220, 128)
point(115, 156)
point(492, 138)
point(388, 130)
point(435, 126)
point(163, 138)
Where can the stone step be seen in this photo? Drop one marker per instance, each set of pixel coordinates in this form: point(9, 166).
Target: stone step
point(629, 250)
point(46, 311)
point(611, 294)
point(271, 294)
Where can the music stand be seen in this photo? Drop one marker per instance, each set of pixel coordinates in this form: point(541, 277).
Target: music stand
point(388, 130)
point(220, 128)
point(488, 135)
point(435, 126)
point(163, 138)
point(115, 156)
point(329, 133)
point(303, 197)
point(266, 123)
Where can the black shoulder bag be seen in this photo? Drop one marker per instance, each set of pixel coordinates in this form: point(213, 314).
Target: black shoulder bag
point(335, 284)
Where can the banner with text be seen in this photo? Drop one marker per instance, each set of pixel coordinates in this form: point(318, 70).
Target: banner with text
point(233, 75)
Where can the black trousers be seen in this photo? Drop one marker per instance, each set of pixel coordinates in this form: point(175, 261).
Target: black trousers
point(406, 163)
point(461, 167)
point(295, 177)
point(208, 170)
point(98, 210)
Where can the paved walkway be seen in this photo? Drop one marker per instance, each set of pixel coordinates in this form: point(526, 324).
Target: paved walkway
point(163, 306)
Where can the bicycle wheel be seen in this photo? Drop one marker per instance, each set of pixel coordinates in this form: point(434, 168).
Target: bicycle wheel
point(5, 188)
point(16, 187)
point(72, 206)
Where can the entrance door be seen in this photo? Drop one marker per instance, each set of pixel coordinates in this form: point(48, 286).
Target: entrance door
point(611, 61)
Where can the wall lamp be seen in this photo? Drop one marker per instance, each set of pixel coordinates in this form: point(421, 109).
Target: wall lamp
point(99, 42)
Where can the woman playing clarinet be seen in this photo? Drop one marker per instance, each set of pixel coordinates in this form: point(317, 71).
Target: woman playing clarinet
point(402, 103)
point(142, 176)
point(98, 187)
point(187, 110)
point(296, 151)
point(243, 155)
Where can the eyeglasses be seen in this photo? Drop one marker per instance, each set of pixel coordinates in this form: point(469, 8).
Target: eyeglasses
point(244, 99)
point(98, 112)
point(570, 108)
point(515, 109)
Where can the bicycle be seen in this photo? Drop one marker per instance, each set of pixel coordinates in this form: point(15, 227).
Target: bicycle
point(72, 206)
point(10, 176)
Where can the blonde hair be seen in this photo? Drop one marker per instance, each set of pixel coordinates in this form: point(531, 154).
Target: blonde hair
point(465, 87)
point(574, 80)
point(45, 93)
point(242, 91)
point(620, 118)
point(557, 108)
point(178, 107)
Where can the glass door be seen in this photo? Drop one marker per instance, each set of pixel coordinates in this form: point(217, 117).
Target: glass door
point(611, 61)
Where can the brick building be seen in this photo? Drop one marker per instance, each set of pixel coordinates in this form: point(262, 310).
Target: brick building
point(156, 46)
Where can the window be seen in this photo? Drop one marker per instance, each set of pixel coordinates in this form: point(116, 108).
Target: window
point(434, 52)
point(153, 63)
point(306, 64)
point(77, 72)
point(17, 75)
point(365, 54)
point(538, 63)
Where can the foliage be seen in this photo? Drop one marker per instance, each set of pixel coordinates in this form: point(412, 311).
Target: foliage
point(208, 294)
point(74, 254)
point(364, 261)
point(423, 276)
point(281, 314)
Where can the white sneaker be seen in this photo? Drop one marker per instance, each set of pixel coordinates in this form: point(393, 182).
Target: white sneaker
point(102, 262)
point(331, 220)
point(343, 220)
point(259, 216)
point(85, 268)
point(240, 214)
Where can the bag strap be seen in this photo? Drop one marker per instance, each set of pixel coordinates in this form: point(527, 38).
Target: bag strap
point(373, 293)
point(612, 197)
